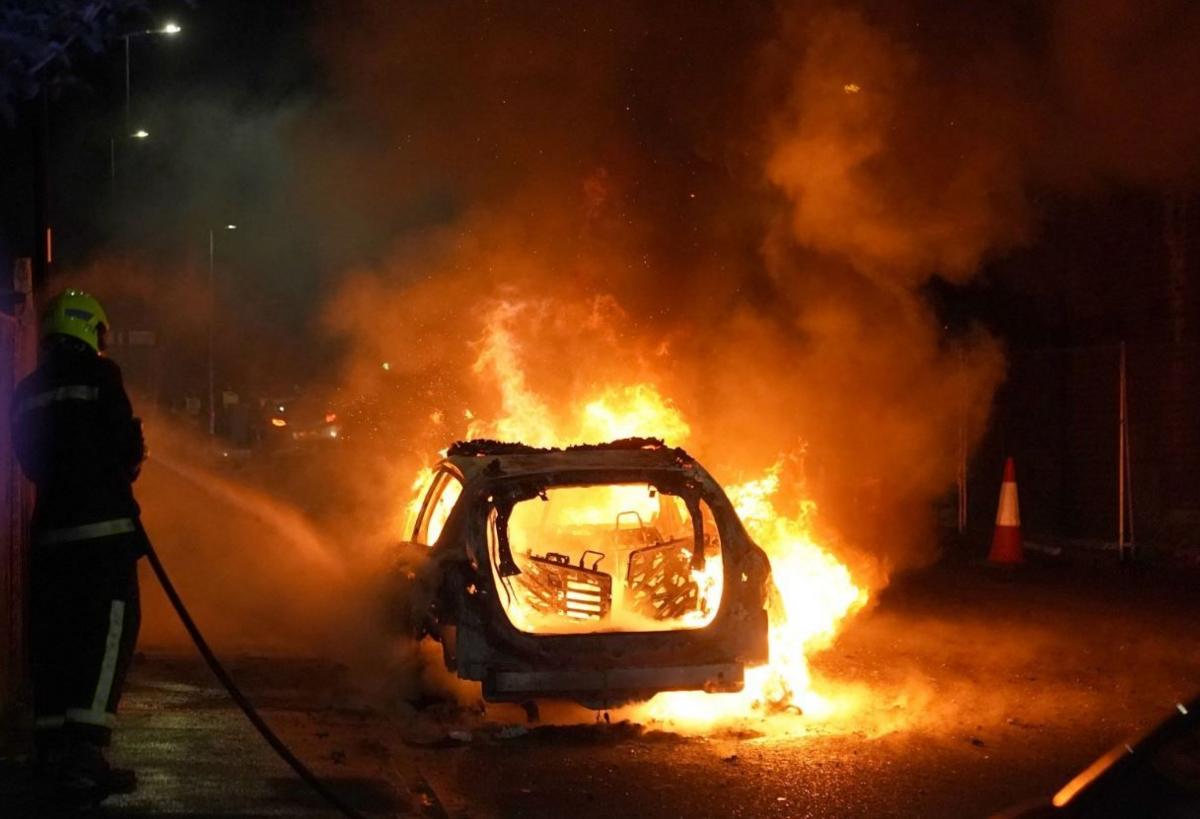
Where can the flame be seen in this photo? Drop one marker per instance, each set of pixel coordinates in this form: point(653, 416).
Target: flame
point(408, 518)
point(627, 412)
point(813, 592)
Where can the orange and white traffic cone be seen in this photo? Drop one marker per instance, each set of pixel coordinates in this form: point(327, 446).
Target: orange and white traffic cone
point(1006, 543)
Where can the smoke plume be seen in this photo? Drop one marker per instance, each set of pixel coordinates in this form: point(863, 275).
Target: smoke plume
point(744, 224)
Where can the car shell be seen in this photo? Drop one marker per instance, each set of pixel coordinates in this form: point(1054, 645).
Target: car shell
point(452, 594)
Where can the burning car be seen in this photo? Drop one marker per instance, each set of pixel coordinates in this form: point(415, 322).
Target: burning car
point(602, 574)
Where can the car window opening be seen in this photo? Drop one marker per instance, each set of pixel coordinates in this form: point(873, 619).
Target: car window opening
point(619, 557)
point(444, 491)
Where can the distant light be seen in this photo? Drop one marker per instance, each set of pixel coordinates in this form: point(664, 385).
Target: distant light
point(281, 409)
point(330, 417)
point(171, 28)
point(333, 433)
point(278, 422)
point(231, 227)
point(141, 133)
point(387, 366)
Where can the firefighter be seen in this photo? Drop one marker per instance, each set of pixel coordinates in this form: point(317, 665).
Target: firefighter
point(77, 439)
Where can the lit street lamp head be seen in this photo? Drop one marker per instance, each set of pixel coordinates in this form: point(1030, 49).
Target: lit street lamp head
point(141, 133)
point(170, 28)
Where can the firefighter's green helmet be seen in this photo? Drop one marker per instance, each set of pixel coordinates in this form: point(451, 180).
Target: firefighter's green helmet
point(76, 314)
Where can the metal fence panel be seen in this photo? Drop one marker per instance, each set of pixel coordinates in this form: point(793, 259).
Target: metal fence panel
point(1058, 415)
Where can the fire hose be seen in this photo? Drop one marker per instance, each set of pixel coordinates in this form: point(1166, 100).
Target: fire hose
point(239, 698)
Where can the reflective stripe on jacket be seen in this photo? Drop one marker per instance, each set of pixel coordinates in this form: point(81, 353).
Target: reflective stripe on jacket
point(74, 392)
point(88, 531)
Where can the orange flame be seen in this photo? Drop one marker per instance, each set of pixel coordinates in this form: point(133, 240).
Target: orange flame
point(814, 591)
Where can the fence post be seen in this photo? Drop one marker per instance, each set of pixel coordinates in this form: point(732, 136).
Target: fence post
point(1124, 470)
point(961, 458)
point(18, 349)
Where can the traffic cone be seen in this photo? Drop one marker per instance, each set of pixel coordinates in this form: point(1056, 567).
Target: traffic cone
point(1006, 543)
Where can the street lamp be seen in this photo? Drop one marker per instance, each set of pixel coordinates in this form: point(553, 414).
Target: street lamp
point(168, 30)
point(140, 133)
point(212, 384)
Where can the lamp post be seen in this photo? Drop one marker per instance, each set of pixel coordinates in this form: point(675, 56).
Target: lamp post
point(212, 383)
point(140, 133)
point(168, 30)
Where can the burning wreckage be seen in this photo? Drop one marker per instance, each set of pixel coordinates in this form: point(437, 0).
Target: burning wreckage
point(602, 574)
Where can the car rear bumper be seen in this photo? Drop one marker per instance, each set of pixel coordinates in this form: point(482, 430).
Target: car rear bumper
point(612, 686)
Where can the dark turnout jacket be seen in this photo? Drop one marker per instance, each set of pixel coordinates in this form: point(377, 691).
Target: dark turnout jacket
point(77, 440)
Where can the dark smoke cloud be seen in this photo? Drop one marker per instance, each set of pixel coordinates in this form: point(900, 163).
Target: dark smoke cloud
point(1122, 72)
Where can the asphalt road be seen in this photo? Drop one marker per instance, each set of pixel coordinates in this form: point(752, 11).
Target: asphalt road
point(976, 690)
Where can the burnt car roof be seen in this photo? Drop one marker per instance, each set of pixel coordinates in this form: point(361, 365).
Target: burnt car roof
point(501, 458)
